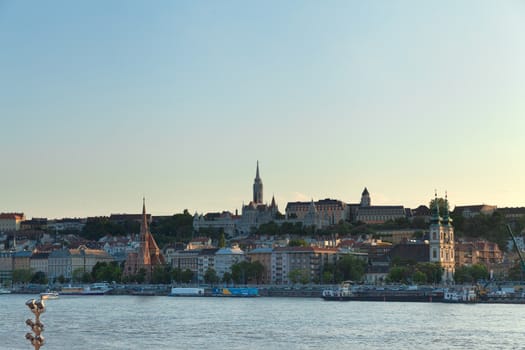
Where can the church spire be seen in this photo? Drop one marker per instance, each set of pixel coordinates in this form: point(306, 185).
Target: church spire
point(257, 188)
point(447, 220)
point(144, 222)
point(435, 218)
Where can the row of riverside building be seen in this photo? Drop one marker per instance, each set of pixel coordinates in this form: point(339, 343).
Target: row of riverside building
point(278, 260)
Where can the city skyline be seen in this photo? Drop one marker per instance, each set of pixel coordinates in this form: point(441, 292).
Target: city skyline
point(108, 102)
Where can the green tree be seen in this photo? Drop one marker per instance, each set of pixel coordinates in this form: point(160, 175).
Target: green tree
point(351, 268)
point(39, 277)
point(222, 241)
point(161, 275)
point(227, 277)
point(210, 276)
point(479, 272)
point(471, 274)
point(419, 277)
point(103, 271)
point(241, 272)
point(399, 274)
point(187, 276)
point(176, 275)
point(22, 276)
point(432, 271)
point(462, 275)
point(86, 277)
point(140, 277)
point(297, 243)
point(256, 271)
point(298, 275)
point(77, 274)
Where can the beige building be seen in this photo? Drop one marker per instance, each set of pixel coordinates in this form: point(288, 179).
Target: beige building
point(85, 259)
point(310, 260)
point(40, 262)
point(478, 252)
point(6, 266)
point(329, 211)
point(264, 256)
point(64, 262)
point(11, 221)
point(376, 214)
point(186, 260)
point(21, 260)
point(59, 264)
point(470, 211)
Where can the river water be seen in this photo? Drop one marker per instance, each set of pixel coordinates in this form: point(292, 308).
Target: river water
point(142, 322)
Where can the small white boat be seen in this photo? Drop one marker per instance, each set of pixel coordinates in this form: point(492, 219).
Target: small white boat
point(49, 295)
point(4, 291)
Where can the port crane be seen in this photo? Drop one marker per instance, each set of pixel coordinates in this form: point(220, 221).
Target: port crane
point(522, 262)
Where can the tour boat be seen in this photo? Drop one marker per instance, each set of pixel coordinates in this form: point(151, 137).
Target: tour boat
point(410, 294)
point(48, 295)
point(93, 289)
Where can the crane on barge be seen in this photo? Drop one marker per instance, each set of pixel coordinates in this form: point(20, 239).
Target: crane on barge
point(522, 262)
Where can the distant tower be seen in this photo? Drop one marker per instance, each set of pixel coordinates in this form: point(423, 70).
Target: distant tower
point(257, 188)
point(273, 207)
point(441, 240)
point(149, 255)
point(365, 198)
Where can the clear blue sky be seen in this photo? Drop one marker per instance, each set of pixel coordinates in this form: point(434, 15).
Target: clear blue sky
point(103, 102)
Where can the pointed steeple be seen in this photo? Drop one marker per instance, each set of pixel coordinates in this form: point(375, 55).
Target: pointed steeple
point(144, 222)
point(435, 218)
point(447, 220)
point(365, 198)
point(257, 188)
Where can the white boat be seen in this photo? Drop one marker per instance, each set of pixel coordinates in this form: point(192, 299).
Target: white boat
point(4, 291)
point(49, 295)
point(186, 292)
point(465, 295)
point(92, 289)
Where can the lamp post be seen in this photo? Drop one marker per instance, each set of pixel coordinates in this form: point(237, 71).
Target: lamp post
point(37, 307)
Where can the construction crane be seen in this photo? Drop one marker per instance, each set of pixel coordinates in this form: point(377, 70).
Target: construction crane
point(522, 262)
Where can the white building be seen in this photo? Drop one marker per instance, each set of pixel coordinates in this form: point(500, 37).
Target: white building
point(225, 258)
point(441, 241)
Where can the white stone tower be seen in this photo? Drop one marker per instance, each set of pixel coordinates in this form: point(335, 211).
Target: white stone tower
point(441, 240)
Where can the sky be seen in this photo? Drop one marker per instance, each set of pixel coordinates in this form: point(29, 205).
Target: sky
point(103, 103)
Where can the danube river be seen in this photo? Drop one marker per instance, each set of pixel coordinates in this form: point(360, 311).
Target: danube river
point(142, 322)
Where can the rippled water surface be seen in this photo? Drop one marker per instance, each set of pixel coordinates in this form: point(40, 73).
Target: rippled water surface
point(133, 322)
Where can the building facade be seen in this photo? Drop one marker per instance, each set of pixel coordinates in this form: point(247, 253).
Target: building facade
point(324, 212)
point(225, 258)
point(263, 256)
point(377, 214)
point(307, 260)
point(11, 221)
point(441, 241)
